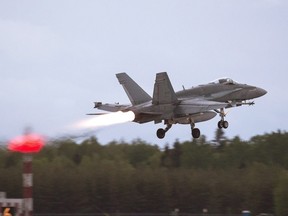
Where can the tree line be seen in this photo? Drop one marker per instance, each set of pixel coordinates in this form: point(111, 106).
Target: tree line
point(226, 176)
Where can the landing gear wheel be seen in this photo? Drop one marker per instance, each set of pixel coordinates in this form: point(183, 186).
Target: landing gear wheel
point(225, 124)
point(161, 133)
point(195, 133)
point(220, 124)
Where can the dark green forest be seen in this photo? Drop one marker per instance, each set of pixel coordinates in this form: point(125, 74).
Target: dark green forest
point(223, 176)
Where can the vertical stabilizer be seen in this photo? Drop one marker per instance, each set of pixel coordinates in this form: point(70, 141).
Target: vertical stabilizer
point(163, 90)
point(135, 93)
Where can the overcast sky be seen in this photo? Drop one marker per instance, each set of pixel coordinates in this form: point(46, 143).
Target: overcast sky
point(58, 57)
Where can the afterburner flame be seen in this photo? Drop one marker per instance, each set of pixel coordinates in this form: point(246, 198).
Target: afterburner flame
point(107, 119)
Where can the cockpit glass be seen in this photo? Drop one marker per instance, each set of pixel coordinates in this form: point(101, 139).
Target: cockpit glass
point(224, 81)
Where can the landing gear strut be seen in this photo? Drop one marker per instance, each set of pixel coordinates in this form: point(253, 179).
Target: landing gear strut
point(195, 131)
point(222, 123)
point(161, 132)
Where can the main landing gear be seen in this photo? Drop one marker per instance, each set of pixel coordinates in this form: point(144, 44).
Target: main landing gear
point(161, 132)
point(195, 131)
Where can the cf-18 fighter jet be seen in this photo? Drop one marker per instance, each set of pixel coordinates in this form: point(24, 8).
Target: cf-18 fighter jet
point(188, 106)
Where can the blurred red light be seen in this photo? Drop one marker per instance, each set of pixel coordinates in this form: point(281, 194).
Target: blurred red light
point(29, 143)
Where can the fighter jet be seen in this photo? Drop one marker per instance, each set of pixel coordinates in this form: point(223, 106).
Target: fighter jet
point(188, 106)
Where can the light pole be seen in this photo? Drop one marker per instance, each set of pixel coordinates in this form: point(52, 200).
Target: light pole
point(27, 145)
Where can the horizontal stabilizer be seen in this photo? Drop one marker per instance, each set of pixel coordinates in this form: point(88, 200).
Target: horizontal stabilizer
point(110, 107)
point(96, 113)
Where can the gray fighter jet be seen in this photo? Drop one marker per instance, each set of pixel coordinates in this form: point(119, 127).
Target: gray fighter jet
point(187, 106)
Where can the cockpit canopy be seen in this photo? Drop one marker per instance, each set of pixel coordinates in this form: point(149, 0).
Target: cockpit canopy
point(224, 81)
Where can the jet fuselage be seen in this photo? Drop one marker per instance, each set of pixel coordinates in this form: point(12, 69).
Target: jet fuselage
point(222, 92)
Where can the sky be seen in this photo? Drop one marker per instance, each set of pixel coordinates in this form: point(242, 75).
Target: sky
point(58, 57)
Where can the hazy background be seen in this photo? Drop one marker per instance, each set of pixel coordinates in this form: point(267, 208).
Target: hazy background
point(58, 57)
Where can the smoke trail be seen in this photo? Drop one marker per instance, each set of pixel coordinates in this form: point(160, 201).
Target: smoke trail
point(87, 128)
point(106, 120)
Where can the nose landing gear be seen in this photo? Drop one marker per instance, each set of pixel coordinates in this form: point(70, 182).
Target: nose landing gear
point(222, 123)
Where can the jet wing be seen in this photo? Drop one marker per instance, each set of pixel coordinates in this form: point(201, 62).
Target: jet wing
point(197, 105)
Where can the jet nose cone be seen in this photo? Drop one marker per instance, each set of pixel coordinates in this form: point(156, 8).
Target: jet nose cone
point(261, 92)
point(257, 92)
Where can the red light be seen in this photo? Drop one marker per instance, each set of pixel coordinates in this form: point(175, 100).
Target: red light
point(30, 143)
